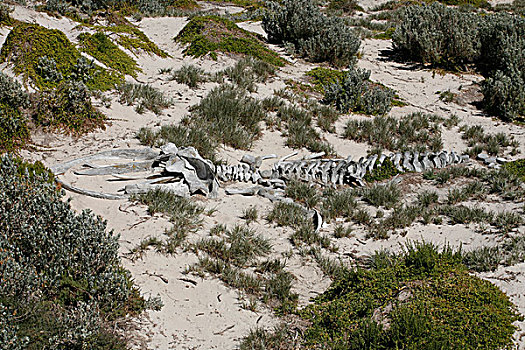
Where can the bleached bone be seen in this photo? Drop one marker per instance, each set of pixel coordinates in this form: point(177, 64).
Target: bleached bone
point(133, 167)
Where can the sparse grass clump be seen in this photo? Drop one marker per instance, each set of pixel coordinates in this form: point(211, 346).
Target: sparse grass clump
point(494, 144)
point(288, 214)
point(60, 269)
point(301, 26)
point(250, 215)
point(416, 131)
point(183, 214)
point(231, 252)
point(182, 136)
point(338, 204)
point(145, 97)
point(355, 93)
point(382, 195)
point(190, 75)
point(422, 298)
point(209, 34)
point(303, 193)
point(229, 117)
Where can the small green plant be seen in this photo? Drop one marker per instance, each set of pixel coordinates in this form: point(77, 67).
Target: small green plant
point(381, 172)
point(303, 193)
point(478, 141)
point(190, 75)
point(321, 77)
point(516, 168)
point(338, 204)
point(299, 24)
point(146, 97)
point(250, 215)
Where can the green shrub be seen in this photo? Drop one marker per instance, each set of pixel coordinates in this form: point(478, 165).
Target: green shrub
point(60, 269)
point(5, 18)
point(209, 34)
point(381, 172)
point(382, 195)
point(355, 93)
point(345, 6)
point(438, 35)
point(68, 107)
point(517, 168)
point(27, 43)
point(423, 298)
point(99, 46)
point(453, 38)
point(323, 77)
point(13, 125)
point(145, 97)
point(313, 35)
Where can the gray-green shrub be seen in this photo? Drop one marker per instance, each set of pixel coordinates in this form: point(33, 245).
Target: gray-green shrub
point(300, 24)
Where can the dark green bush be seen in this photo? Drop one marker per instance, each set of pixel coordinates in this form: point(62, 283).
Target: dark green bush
point(13, 125)
point(67, 107)
point(313, 35)
point(516, 168)
point(437, 34)
point(355, 93)
point(421, 299)
point(59, 269)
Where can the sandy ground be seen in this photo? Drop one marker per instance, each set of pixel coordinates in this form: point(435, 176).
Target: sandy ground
point(206, 314)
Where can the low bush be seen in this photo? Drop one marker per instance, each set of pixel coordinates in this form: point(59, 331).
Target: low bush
point(60, 270)
point(14, 131)
point(452, 38)
point(516, 168)
point(5, 18)
point(303, 193)
point(27, 44)
point(208, 34)
point(313, 35)
point(422, 298)
point(382, 195)
point(355, 93)
point(67, 107)
point(347, 7)
point(145, 97)
point(322, 77)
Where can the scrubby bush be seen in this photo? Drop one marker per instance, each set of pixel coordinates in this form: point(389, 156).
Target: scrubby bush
point(301, 24)
point(345, 6)
point(13, 125)
point(209, 34)
point(189, 75)
point(437, 34)
point(68, 107)
point(60, 270)
point(354, 92)
point(5, 18)
point(422, 298)
point(452, 38)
